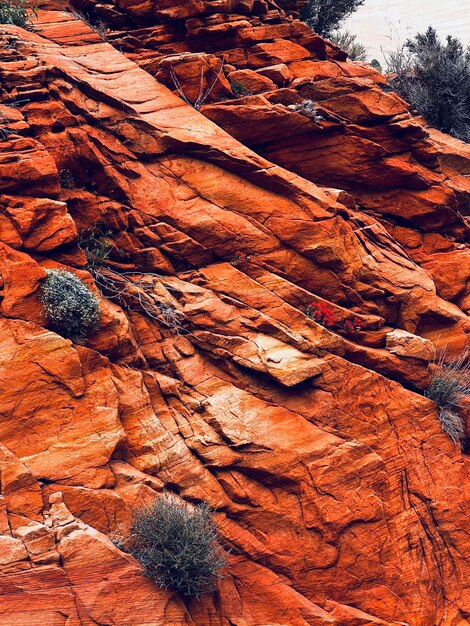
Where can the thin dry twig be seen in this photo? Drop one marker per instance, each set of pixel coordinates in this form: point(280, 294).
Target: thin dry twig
point(203, 94)
point(4, 131)
point(137, 295)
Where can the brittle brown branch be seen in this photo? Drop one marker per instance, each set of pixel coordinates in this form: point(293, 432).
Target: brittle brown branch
point(134, 293)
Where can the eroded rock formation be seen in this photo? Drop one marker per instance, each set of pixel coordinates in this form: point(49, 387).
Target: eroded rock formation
point(342, 501)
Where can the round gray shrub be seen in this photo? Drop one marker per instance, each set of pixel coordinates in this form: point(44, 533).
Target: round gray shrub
point(177, 546)
point(72, 309)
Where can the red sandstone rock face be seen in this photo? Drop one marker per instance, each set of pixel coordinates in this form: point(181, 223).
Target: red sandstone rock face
point(341, 499)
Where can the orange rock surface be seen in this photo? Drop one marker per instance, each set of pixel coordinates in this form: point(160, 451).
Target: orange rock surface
point(340, 498)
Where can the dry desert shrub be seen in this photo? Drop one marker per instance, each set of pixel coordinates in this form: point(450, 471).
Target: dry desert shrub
point(177, 545)
point(70, 306)
point(448, 388)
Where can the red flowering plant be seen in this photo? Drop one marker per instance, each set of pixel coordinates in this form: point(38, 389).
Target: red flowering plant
point(239, 257)
point(321, 313)
point(354, 325)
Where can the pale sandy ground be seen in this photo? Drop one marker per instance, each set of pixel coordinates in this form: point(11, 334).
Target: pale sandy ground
point(384, 24)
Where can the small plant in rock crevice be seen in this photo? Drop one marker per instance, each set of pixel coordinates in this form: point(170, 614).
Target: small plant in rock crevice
point(308, 108)
point(97, 246)
point(17, 12)
point(239, 257)
point(353, 325)
point(321, 313)
point(238, 89)
point(448, 388)
point(67, 181)
point(177, 545)
point(71, 307)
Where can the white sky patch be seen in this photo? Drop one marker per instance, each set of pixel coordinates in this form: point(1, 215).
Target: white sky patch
point(385, 24)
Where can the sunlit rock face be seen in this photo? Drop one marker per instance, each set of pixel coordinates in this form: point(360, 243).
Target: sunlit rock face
point(283, 255)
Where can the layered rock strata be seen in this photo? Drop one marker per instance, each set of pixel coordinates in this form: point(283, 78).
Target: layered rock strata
point(338, 494)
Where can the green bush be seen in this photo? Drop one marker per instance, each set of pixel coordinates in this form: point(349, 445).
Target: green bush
point(97, 245)
point(325, 16)
point(238, 89)
point(177, 546)
point(16, 12)
point(435, 79)
point(348, 42)
point(71, 307)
